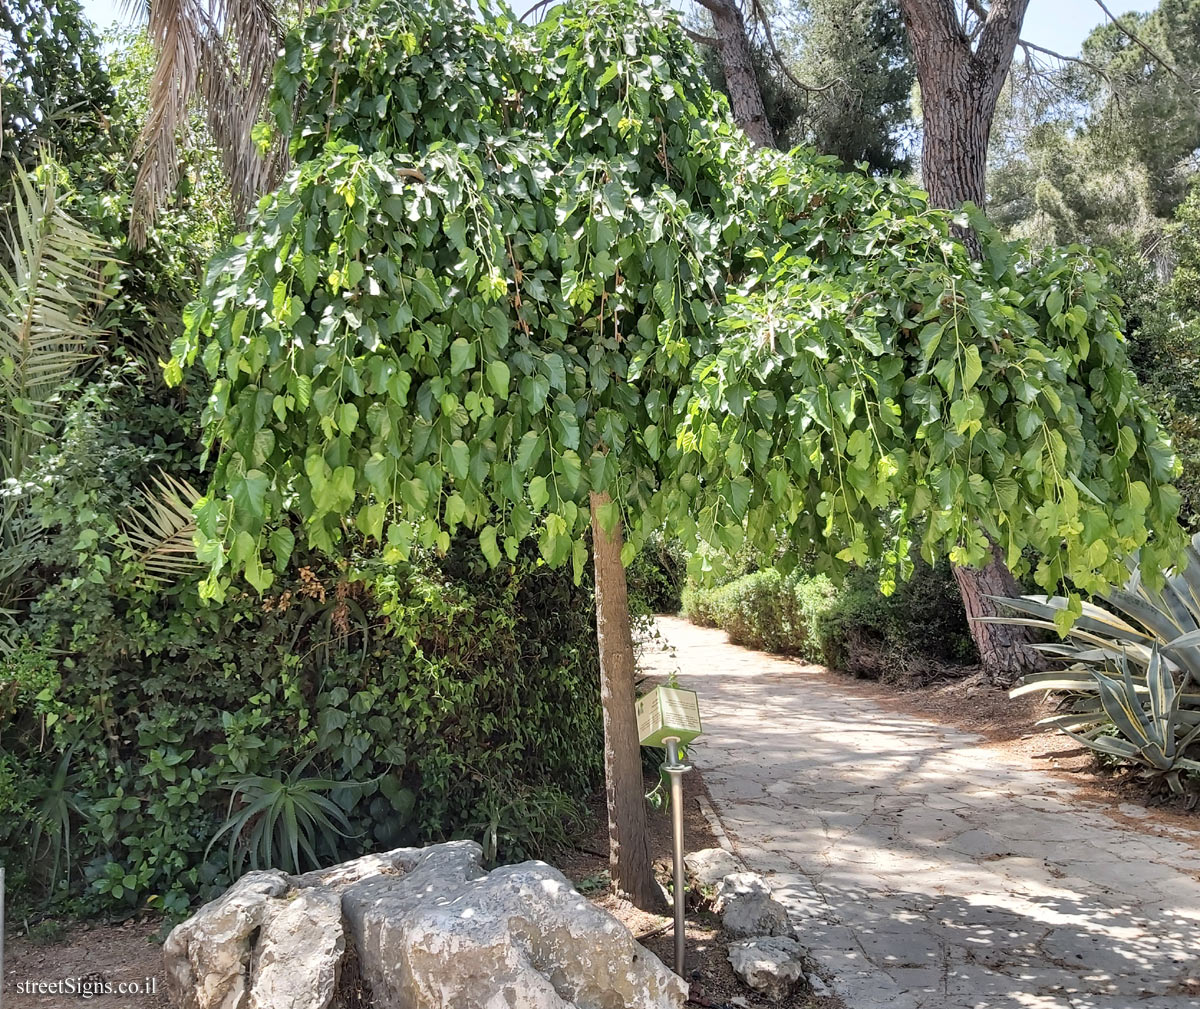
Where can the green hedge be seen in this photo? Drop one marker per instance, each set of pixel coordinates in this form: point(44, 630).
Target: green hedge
point(917, 632)
point(765, 609)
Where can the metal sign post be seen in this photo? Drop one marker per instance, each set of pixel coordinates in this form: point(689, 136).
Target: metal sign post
point(675, 767)
point(670, 717)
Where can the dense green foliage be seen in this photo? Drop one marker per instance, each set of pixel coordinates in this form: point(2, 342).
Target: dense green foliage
point(72, 288)
point(847, 87)
point(656, 577)
point(1129, 672)
point(855, 55)
point(601, 287)
point(511, 266)
point(1165, 351)
point(53, 88)
point(1151, 83)
point(137, 720)
point(394, 682)
point(1102, 152)
point(1073, 159)
point(914, 634)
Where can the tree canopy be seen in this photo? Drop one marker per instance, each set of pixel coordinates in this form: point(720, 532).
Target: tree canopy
point(1072, 158)
point(53, 88)
point(517, 265)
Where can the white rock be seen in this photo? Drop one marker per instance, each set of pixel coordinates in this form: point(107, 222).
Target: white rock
point(771, 964)
point(429, 929)
point(298, 953)
point(747, 908)
point(709, 866)
point(207, 957)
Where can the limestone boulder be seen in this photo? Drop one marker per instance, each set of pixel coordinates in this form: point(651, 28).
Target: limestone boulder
point(772, 965)
point(207, 957)
point(747, 908)
point(708, 866)
point(421, 928)
point(298, 953)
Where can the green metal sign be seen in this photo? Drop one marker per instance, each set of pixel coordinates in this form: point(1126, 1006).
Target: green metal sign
point(667, 712)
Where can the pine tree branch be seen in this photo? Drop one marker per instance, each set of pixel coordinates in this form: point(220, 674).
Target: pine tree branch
point(1136, 40)
point(999, 36)
point(1033, 47)
point(765, 21)
point(981, 15)
point(718, 6)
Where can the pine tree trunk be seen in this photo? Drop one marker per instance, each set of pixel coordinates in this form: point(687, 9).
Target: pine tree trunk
point(744, 96)
point(628, 844)
point(959, 88)
point(957, 125)
point(1005, 651)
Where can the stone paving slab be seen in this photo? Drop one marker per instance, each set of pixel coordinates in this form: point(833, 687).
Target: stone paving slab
point(924, 870)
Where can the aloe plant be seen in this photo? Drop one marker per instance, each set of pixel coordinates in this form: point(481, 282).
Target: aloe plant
point(280, 818)
point(1129, 675)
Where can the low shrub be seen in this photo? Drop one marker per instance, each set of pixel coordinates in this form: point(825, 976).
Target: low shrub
point(917, 632)
point(764, 609)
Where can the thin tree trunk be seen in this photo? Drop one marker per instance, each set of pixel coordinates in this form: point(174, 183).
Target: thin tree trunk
point(960, 81)
point(744, 96)
point(628, 844)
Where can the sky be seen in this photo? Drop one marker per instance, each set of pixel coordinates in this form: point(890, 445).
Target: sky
point(1060, 25)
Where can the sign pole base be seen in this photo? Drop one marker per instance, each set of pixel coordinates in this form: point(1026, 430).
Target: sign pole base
point(675, 767)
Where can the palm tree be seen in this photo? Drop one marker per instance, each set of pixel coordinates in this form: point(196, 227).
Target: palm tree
point(50, 288)
point(221, 52)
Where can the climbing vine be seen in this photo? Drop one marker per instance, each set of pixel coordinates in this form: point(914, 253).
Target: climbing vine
point(517, 265)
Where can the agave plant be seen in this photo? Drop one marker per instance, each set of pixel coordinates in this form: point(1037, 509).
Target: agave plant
point(50, 819)
point(1129, 675)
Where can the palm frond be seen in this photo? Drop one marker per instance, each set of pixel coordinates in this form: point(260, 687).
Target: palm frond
point(222, 51)
point(161, 526)
point(49, 290)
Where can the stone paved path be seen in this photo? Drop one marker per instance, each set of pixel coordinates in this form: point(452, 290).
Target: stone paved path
point(924, 870)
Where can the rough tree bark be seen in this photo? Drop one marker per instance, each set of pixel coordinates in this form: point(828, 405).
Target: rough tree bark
point(961, 74)
point(734, 48)
point(628, 847)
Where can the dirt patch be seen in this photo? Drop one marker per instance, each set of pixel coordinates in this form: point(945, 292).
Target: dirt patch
point(91, 958)
point(712, 979)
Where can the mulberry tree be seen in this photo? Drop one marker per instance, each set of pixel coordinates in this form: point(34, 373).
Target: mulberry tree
point(533, 284)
